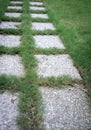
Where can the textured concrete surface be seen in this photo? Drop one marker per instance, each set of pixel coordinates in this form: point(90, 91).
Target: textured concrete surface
point(44, 16)
point(16, 2)
point(42, 26)
point(56, 65)
point(11, 65)
point(15, 7)
point(37, 8)
point(48, 41)
point(9, 40)
point(8, 111)
point(36, 3)
point(8, 25)
point(15, 15)
point(66, 109)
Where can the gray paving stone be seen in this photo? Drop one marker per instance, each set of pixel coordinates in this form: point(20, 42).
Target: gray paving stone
point(44, 16)
point(42, 26)
point(15, 15)
point(66, 109)
point(8, 25)
point(9, 40)
point(16, 2)
point(11, 65)
point(37, 8)
point(8, 111)
point(48, 41)
point(56, 65)
point(15, 7)
point(36, 3)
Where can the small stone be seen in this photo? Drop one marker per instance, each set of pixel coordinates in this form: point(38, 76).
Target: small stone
point(36, 3)
point(42, 26)
point(9, 25)
point(56, 65)
point(37, 8)
point(9, 40)
point(11, 65)
point(8, 111)
point(44, 16)
point(48, 41)
point(66, 109)
point(15, 7)
point(15, 15)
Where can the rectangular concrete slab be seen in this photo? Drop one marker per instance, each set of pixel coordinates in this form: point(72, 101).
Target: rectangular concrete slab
point(9, 25)
point(56, 65)
point(8, 111)
point(37, 8)
point(48, 41)
point(9, 40)
point(15, 7)
point(15, 15)
point(16, 2)
point(42, 26)
point(11, 65)
point(36, 3)
point(66, 109)
point(44, 16)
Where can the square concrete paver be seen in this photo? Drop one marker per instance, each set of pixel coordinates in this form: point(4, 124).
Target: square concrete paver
point(9, 40)
point(44, 16)
point(66, 109)
point(9, 25)
point(16, 2)
point(37, 8)
point(15, 15)
point(8, 111)
point(48, 41)
point(56, 65)
point(15, 7)
point(36, 3)
point(11, 65)
point(42, 26)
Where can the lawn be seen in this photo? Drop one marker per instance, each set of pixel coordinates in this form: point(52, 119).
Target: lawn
point(73, 23)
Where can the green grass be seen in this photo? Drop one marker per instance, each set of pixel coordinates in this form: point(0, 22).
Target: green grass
point(74, 35)
point(72, 20)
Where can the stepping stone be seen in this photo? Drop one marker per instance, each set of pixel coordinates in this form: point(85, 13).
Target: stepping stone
point(15, 15)
point(9, 40)
point(66, 109)
point(36, 3)
point(16, 2)
point(48, 41)
point(11, 65)
point(15, 7)
point(8, 111)
point(37, 8)
point(42, 26)
point(56, 65)
point(9, 25)
point(44, 16)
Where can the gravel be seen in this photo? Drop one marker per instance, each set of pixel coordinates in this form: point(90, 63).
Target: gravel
point(15, 7)
point(48, 41)
point(9, 25)
point(11, 65)
point(16, 2)
point(42, 26)
point(37, 8)
point(44, 16)
point(15, 15)
point(8, 111)
point(9, 40)
point(56, 65)
point(36, 3)
point(66, 109)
